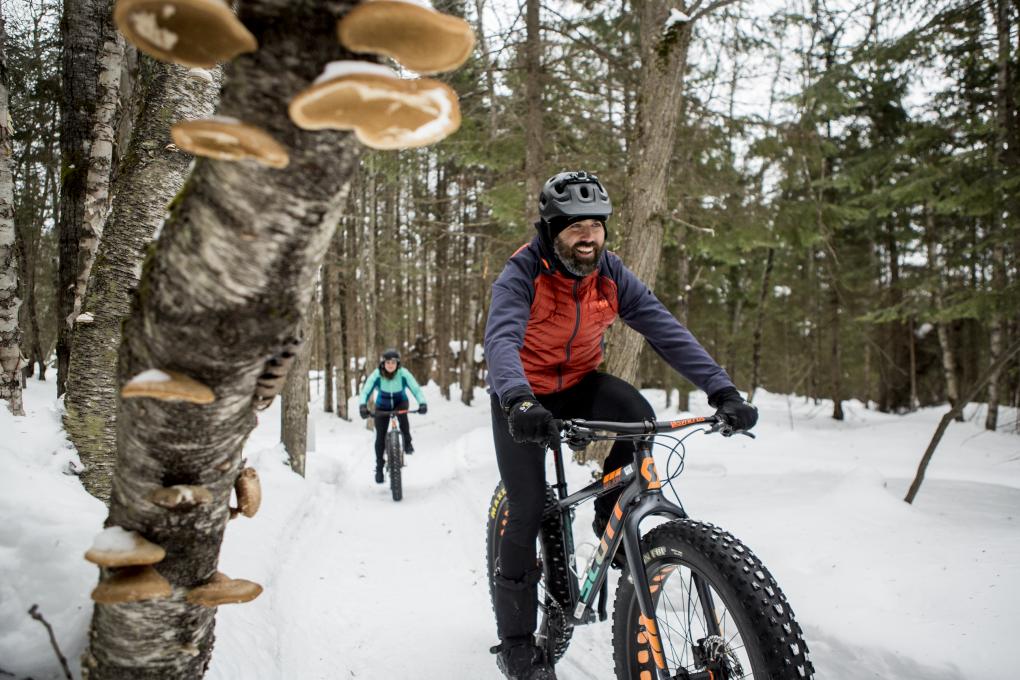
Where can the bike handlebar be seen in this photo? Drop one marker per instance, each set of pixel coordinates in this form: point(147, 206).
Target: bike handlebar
point(381, 412)
point(579, 431)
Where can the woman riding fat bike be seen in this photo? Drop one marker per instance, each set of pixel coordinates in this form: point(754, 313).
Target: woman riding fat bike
point(390, 381)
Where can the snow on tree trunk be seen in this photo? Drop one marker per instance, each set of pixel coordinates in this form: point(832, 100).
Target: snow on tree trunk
point(97, 182)
point(226, 285)
point(82, 35)
point(151, 174)
point(11, 360)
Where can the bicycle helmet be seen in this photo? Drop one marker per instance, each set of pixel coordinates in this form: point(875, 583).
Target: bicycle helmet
point(569, 195)
point(391, 353)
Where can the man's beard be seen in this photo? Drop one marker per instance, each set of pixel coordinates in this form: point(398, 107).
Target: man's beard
point(570, 260)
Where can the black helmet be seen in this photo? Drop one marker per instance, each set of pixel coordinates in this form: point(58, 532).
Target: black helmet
point(574, 194)
point(391, 353)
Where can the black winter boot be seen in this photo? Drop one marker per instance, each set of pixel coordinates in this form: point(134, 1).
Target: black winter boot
point(378, 474)
point(522, 659)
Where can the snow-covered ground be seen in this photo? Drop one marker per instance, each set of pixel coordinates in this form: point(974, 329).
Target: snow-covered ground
point(357, 586)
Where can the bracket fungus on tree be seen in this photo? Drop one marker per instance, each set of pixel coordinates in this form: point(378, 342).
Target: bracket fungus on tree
point(384, 111)
point(195, 33)
point(249, 493)
point(132, 584)
point(167, 386)
point(228, 139)
point(416, 36)
point(117, 547)
point(222, 589)
point(181, 497)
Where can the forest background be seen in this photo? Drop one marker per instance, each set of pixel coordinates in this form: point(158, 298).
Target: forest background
point(826, 193)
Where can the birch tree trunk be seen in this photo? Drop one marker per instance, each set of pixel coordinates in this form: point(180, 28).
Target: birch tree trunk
point(759, 324)
point(224, 290)
point(149, 177)
point(294, 409)
point(663, 63)
point(81, 30)
point(97, 181)
point(11, 360)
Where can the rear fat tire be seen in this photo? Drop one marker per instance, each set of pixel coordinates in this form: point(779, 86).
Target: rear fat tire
point(394, 461)
point(746, 596)
point(554, 586)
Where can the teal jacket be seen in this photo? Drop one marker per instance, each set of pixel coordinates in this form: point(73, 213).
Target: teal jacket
point(391, 391)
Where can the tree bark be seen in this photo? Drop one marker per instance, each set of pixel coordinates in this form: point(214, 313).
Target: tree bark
point(81, 31)
point(941, 325)
point(148, 179)
point(663, 63)
point(224, 290)
point(328, 279)
point(294, 410)
point(11, 359)
point(97, 181)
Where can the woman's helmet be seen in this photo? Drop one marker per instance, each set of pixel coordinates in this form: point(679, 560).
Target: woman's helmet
point(391, 353)
point(574, 194)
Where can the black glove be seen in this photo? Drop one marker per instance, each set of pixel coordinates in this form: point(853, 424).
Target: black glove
point(732, 408)
point(531, 422)
point(363, 411)
point(423, 409)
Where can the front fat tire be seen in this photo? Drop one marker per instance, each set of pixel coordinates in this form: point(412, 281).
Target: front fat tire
point(554, 587)
point(393, 462)
point(747, 600)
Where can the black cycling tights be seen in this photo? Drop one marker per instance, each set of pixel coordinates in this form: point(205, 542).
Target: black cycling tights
point(382, 424)
point(599, 396)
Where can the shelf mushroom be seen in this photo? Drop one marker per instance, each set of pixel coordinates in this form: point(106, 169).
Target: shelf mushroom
point(180, 497)
point(116, 547)
point(228, 139)
point(167, 386)
point(221, 589)
point(416, 36)
point(249, 493)
point(195, 33)
point(130, 556)
point(384, 111)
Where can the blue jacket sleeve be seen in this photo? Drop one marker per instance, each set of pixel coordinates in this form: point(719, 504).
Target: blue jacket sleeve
point(509, 310)
point(368, 387)
point(412, 385)
point(642, 311)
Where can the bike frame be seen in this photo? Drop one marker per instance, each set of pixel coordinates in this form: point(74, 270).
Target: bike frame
point(641, 497)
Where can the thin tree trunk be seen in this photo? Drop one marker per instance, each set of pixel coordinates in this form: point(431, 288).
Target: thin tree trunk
point(82, 34)
point(231, 275)
point(294, 409)
point(148, 180)
point(941, 326)
point(11, 359)
point(759, 324)
point(534, 137)
point(97, 182)
point(922, 467)
point(1004, 119)
point(328, 280)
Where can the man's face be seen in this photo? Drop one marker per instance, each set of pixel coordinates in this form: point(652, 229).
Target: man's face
point(579, 246)
point(390, 365)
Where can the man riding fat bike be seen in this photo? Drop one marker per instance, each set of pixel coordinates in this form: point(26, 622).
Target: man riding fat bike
point(391, 381)
point(550, 307)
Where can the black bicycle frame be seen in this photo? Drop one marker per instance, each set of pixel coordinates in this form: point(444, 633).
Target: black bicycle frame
point(641, 497)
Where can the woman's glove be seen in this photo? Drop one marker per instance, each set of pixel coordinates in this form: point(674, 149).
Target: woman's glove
point(363, 411)
point(732, 408)
point(423, 409)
